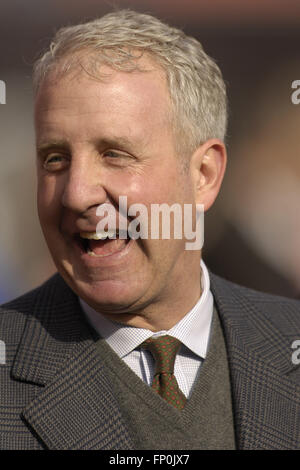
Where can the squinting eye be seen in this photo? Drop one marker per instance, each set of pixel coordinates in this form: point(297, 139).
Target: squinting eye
point(110, 153)
point(53, 159)
point(55, 162)
point(117, 158)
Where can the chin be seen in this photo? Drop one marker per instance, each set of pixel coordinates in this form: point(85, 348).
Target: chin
point(108, 295)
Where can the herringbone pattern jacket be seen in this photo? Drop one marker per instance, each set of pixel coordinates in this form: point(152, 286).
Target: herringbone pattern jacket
point(54, 393)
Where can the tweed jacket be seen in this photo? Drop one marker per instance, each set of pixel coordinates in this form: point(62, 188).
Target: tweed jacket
point(54, 393)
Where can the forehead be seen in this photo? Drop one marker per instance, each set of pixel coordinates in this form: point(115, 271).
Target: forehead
point(113, 98)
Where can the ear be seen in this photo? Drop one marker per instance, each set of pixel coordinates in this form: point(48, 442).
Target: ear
point(207, 168)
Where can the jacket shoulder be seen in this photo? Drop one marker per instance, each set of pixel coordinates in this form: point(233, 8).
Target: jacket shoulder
point(236, 289)
point(13, 314)
point(250, 302)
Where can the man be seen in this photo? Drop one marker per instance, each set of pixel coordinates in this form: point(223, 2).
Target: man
point(129, 107)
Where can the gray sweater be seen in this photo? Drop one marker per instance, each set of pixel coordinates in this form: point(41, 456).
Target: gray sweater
point(206, 422)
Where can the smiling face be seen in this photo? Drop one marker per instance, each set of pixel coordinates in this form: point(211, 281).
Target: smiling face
point(97, 141)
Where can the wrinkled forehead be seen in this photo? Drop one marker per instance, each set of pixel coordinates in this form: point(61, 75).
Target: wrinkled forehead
point(82, 106)
point(144, 74)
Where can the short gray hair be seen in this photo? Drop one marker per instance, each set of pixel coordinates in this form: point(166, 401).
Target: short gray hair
point(196, 86)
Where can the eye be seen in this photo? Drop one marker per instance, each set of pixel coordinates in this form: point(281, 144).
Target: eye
point(112, 154)
point(117, 158)
point(55, 162)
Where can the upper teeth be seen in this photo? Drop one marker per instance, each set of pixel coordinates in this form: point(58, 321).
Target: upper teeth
point(99, 235)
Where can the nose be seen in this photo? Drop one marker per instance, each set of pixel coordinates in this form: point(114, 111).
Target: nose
point(83, 186)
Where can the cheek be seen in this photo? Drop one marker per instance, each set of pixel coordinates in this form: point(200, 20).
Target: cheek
point(137, 188)
point(48, 198)
point(151, 187)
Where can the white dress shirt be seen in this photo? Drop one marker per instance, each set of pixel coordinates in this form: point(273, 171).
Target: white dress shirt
point(192, 330)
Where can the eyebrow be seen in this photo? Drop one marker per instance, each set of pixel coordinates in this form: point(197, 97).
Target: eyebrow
point(113, 141)
point(54, 144)
point(116, 141)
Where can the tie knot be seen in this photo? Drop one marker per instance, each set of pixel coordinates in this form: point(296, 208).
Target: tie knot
point(163, 349)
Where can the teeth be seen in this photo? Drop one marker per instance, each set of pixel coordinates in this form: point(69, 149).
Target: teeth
point(100, 235)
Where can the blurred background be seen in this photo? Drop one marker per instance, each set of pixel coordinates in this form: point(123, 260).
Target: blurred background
point(252, 231)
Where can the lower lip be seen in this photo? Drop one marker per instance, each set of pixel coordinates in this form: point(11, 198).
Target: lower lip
point(99, 261)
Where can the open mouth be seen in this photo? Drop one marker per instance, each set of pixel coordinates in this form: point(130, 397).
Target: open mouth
point(104, 243)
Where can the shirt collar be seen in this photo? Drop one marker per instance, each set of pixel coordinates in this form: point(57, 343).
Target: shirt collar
point(192, 330)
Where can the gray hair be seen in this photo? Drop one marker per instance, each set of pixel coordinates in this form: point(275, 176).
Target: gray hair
point(196, 86)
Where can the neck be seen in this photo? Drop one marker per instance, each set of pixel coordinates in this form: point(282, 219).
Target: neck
point(159, 317)
point(166, 309)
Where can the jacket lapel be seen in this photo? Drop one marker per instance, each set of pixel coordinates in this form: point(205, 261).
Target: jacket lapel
point(76, 408)
point(265, 383)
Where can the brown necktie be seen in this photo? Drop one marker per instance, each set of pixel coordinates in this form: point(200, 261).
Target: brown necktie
point(163, 350)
